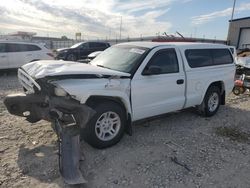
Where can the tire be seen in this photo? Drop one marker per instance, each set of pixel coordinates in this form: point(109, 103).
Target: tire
point(236, 90)
point(71, 57)
point(109, 119)
point(211, 102)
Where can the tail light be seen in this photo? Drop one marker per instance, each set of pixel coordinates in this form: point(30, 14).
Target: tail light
point(50, 54)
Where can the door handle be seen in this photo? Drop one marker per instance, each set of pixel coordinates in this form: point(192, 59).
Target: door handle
point(3, 56)
point(180, 81)
point(29, 55)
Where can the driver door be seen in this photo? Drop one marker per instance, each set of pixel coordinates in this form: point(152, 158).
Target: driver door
point(158, 92)
point(84, 50)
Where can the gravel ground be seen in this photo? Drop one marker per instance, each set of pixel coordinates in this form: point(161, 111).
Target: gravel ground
point(180, 149)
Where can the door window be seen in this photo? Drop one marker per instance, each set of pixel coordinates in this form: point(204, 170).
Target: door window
point(32, 47)
point(84, 46)
point(12, 47)
point(2, 47)
point(97, 45)
point(166, 60)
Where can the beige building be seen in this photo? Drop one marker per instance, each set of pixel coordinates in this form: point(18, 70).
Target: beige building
point(239, 33)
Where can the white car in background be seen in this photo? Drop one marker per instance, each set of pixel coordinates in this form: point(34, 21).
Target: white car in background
point(16, 54)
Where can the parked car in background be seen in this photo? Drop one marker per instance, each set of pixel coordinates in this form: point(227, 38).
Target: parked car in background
point(16, 54)
point(80, 50)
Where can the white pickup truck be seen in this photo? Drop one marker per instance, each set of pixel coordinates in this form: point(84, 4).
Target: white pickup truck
point(125, 83)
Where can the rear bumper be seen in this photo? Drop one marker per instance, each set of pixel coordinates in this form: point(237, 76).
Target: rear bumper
point(36, 107)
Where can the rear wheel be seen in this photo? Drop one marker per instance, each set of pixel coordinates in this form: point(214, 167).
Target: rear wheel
point(211, 102)
point(106, 128)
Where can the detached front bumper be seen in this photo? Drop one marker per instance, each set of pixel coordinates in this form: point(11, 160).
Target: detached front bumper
point(36, 107)
point(68, 117)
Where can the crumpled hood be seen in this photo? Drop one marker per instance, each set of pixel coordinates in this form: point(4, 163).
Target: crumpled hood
point(44, 68)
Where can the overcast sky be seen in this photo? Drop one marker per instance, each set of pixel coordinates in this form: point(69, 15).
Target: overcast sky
point(102, 18)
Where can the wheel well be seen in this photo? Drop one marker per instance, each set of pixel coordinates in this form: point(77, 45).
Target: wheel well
point(93, 100)
point(218, 84)
point(221, 86)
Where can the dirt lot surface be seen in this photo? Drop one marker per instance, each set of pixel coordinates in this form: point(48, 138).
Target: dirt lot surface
point(180, 149)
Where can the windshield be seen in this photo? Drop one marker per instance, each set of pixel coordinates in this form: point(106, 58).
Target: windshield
point(76, 45)
point(120, 58)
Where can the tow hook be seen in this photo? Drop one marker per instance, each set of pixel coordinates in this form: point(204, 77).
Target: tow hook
point(69, 154)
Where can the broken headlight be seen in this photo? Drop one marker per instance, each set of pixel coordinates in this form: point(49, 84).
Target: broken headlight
point(60, 92)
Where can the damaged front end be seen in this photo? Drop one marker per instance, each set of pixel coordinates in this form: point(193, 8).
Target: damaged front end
point(68, 117)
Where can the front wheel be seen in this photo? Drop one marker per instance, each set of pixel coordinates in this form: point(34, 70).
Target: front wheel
point(211, 102)
point(71, 57)
point(106, 128)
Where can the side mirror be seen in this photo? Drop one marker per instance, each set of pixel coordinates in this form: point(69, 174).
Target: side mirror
point(151, 70)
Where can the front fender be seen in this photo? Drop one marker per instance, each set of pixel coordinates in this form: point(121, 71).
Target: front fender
point(83, 89)
point(111, 94)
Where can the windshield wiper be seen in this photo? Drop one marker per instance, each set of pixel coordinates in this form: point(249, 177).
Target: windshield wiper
point(103, 66)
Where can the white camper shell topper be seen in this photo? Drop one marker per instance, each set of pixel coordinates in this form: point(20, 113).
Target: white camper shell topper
point(125, 83)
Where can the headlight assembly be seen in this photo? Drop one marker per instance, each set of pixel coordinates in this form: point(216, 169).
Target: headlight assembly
point(60, 92)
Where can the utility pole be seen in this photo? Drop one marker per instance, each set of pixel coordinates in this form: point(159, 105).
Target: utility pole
point(233, 10)
point(230, 24)
point(121, 29)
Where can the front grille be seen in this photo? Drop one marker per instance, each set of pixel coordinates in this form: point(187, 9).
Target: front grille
point(27, 81)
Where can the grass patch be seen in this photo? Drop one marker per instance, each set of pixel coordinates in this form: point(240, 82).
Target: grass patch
point(232, 133)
